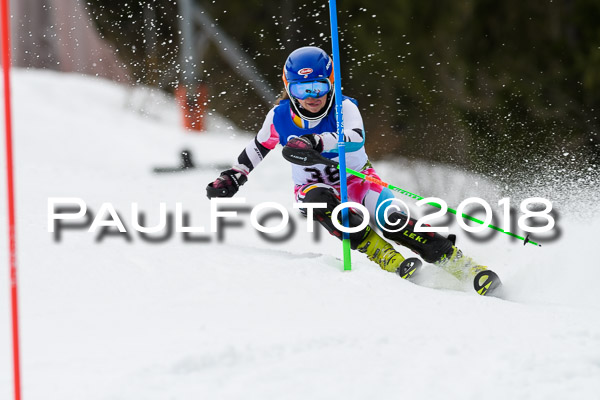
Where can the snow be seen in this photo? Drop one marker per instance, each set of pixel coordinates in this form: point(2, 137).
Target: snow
point(242, 317)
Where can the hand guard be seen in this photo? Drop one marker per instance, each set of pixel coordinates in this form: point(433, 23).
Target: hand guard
point(227, 184)
point(305, 150)
point(312, 141)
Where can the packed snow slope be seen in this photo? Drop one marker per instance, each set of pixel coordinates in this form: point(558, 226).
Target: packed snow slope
point(239, 317)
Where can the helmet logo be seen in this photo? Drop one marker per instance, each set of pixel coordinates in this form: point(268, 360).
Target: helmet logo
point(305, 71)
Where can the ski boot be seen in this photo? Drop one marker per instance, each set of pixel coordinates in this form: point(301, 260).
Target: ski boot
point(381, 252)
point(366, 240)
point(433, 247)
point(459, 265)
point(485, 281)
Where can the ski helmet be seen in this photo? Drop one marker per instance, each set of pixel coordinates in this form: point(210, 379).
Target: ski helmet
point(308, 72)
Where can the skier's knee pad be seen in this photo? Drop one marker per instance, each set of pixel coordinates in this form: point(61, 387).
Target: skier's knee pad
point(328, 195)
point(430, 246)
point(319, 194)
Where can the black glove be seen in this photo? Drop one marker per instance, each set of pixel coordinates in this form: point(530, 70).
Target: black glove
point(312, 141)
point(227, 184)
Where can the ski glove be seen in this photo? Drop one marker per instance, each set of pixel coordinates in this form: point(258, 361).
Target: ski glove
point(306, 150)
point(312, 141)
point(227, 184)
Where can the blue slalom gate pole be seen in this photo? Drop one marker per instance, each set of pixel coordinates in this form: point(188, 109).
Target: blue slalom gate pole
point(337, 84)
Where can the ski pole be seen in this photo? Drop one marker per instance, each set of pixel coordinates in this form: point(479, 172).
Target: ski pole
point(452, 211)
point(311, 157)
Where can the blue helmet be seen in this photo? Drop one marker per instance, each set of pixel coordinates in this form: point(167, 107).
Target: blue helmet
point(313, 68)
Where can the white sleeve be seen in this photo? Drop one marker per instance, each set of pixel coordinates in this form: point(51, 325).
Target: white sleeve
point(266, 139)
point(267, 136)
point(353, 128)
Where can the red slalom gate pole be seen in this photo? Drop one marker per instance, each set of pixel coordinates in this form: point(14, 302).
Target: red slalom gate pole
point(5, 22)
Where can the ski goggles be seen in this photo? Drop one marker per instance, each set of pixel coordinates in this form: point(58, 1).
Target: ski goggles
point(304, 90)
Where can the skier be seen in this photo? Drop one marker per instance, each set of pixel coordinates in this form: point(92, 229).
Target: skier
point(303, 119)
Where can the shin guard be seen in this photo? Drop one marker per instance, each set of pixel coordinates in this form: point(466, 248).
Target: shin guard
point(320, 194)
point(431, 246)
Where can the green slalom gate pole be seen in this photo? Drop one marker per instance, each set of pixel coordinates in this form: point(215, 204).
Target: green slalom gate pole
point(337, 83)
point(452, 211)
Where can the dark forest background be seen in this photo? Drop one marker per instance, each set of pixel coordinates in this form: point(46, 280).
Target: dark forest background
point(489, 85)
